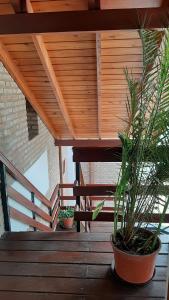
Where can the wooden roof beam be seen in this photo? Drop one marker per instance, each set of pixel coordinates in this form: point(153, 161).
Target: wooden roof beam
point(20, 80)
point(84, 21)
point(98, 68)
point(89, 143)
point(95, 154)
point(46, 62)
point(165, 3)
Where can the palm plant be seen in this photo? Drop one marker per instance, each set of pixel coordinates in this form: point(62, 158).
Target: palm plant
point(142, 185)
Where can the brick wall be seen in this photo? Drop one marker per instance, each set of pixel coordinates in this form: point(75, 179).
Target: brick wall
point(14, 141)
point(101, 172)
point(14, 130)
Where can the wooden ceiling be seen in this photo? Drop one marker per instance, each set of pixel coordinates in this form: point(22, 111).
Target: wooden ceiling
point(75, 81)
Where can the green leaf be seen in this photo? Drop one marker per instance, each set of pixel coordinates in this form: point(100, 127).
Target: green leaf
point(97, 210)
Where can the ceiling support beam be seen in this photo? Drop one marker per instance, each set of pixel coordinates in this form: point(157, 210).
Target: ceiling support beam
point(84, 21)
point(165, 3)
point(94, 154)
point(98, 68)
point(46, 62)
point(20, 80)
point(88, 143)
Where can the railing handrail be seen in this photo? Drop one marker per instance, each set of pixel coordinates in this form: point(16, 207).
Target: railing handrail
point(16, 174)
point(19, 198)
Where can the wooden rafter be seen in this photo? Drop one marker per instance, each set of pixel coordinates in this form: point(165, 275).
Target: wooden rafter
point(46, 62)
point(94, 4)
point(84, 21)
point(98, 66)
point(20, 80)
point(19, 6)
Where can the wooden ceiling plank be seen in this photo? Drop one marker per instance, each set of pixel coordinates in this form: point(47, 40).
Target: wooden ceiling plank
point(12, 68)
point(84, 21)
point(109, 4)
point(48, 67)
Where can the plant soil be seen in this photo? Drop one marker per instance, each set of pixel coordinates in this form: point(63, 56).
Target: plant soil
point(139, 244)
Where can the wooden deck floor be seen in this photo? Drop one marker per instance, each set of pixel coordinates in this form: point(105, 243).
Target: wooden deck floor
point(101, 227)
point(69, 266)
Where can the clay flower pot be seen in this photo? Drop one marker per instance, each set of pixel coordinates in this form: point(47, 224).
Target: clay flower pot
point(68, 223)
point(136, 269)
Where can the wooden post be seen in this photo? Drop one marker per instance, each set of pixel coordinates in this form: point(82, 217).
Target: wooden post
point(4, 197)
point(60, 169)
point(78, 197)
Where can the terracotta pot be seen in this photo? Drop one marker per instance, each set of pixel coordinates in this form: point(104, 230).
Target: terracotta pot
point(136, 269)
point(68, 222)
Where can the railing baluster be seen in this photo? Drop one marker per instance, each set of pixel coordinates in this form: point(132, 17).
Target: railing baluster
point(78, 197)
point(4, 197)
point(33, 213)
point(50, 214)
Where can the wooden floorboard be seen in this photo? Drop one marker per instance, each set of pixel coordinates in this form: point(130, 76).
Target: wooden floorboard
point(79, 286)
point(64, 236)
point(55, 296)
point(70, 266)
point(64, 270)
point(65, 257)
point(69, 246)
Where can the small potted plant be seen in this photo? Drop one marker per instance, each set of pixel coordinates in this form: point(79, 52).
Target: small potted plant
point(66, 217)
point(142, 188)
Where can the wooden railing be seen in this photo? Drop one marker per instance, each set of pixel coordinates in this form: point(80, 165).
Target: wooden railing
point(96, 193)
point(44, 216)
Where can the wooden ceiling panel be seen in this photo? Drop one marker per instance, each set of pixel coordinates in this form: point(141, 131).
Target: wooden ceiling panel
point(119, 50)
point(115, 4)
point(61, 5)
point(77, 79)
point(67, 37)
point(120, 71)
point(71, 45)
point(127, 43)
point(14, 40)
point(120, 35)
point(25, 57)
point(6, 8)
point(74, 60)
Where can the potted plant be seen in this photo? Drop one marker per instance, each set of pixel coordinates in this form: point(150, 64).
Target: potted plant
point(142, 186)
point(66, 217)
